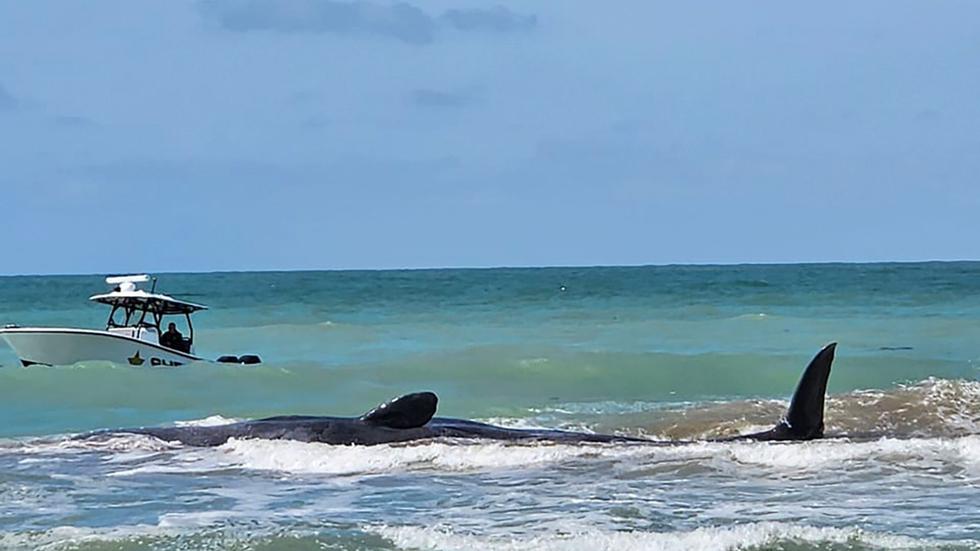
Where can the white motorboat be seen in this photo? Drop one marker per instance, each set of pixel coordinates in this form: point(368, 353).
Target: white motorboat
point(132, 336)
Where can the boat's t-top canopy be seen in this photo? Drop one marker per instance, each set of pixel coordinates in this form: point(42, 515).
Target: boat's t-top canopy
point(127, 295)
point(144, 311)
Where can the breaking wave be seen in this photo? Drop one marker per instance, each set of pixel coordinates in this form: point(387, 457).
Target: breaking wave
point(929, 408)
point(564, 536)
point(955, 454)
point(137, 455)
point(935, 416)
point(745, 536)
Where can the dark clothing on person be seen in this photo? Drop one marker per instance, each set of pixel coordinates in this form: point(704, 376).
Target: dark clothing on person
point(172, 339)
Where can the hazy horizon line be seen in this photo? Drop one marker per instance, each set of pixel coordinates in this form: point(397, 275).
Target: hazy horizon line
point(498, 267)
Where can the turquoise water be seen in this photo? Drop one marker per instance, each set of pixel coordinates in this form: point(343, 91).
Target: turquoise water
point(678, 351)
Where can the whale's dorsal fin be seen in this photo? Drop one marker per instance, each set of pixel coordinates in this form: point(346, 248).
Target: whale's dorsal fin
point(405, 412)
point(805, 415)
point(804, 419)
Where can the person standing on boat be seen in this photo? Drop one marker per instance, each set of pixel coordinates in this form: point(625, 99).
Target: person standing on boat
point(172, 338)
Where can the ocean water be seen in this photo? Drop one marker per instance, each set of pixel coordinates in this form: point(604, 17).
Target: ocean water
point(685, 352)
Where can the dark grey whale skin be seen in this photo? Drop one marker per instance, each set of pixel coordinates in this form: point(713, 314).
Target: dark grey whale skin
point(410, 418)
point(348, 430)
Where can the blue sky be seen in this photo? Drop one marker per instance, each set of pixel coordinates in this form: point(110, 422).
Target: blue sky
point(204, 135)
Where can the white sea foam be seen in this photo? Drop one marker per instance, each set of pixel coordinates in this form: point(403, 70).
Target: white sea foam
point(704, 539)
point(303, 457)
point(143, 455)
point(455, 456)
point(755, 316)
point(614, 407)
point(120, 443)
point(70, 537)
point(567, 537)
point(515, 423)
point(162, 536)
point(212, 421)
point(180, 461)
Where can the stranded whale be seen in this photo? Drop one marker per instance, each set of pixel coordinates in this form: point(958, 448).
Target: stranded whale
point(411, 417)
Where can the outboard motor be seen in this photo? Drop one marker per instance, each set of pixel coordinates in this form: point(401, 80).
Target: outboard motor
point(244, 359)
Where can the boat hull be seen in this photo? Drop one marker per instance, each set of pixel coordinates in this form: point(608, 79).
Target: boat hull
point(63, 346)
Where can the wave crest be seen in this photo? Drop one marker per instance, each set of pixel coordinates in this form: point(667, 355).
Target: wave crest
point(744, 536)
